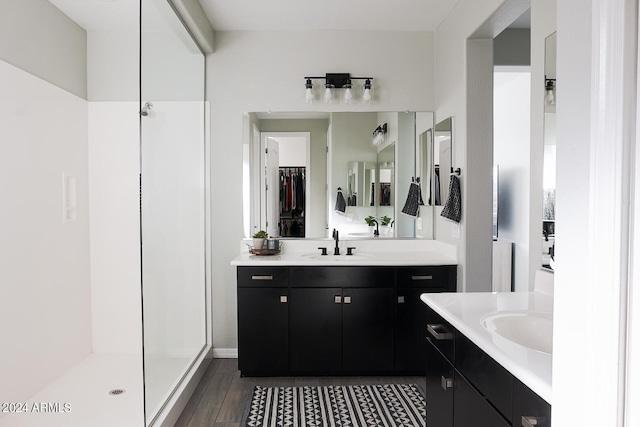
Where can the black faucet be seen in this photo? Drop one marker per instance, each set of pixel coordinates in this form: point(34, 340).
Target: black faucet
point(336, 251)
point(376, 233)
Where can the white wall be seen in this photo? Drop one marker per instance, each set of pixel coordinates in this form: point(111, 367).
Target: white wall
point(464, 70)
point(41, 40)
point(262, 71)
point(114, 151)
point(511, 140)
point(45, 307)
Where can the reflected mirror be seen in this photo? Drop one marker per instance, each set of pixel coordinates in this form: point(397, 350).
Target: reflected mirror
point(361, 179)
point(549, 162)
point(342, 152)
point(442, 161)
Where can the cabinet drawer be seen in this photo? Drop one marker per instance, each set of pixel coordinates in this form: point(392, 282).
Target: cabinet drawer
point(472, 409)
point(342, 276)
point(273, 277)
point(436, 278)
point(440, 333)
point(489, 377)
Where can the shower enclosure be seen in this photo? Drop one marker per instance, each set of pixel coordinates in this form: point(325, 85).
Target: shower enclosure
point(173, 204)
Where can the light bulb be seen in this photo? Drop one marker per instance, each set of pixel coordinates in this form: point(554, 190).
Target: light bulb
point(366, 96)
point(328, 96)
point(549, 97)
point(309, 91)
point(348, 96)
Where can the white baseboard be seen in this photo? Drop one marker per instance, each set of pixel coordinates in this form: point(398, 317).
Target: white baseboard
point(225, 353)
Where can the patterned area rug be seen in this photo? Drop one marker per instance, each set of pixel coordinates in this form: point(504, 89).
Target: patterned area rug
point(393, 405)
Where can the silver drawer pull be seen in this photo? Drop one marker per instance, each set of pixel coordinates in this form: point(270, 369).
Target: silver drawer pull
point(446, 383)
point(439, 332)
point(337, 299)
point(347, 300)
point(283, 298)
point(421, 277)
point(400, 299)
point(529, 421)
point(269, 277)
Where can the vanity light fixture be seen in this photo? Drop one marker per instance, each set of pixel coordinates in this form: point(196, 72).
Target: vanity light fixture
point(379, 135)
point(550, 88)
point(334, 81)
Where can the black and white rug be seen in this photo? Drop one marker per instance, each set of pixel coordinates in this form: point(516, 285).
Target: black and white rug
point(393, 405)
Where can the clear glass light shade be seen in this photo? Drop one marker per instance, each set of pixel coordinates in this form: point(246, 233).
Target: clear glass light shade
point(328, 93)
point(309, 95)
point(347, 96)
point(366, 96)
point(550, 97)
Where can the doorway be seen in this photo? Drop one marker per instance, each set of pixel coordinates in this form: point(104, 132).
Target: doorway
point(286, 177)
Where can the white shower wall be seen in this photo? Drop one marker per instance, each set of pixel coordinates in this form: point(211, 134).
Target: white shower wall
point(45, 309)
point(113, 158)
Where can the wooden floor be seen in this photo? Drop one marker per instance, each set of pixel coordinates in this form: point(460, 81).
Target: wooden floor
point(222, 395)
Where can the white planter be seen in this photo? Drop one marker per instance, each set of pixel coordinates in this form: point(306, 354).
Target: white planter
point(258, 243)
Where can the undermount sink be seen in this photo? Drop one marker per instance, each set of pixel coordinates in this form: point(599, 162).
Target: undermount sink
point(337, 258)
point(531, 329)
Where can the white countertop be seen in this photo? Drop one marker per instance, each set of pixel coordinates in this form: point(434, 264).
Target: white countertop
point(372, 259)
point(372, 252)
point(465, 310)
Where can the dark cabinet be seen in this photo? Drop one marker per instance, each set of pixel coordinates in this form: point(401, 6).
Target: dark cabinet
point(367, 330)
point(316, 330)
point(472, 409)
point(341, 329)
point(529, 409)
point(263, 321)
point(439, 387)
point(467, 388)
point(335, 319)
point(412, 315)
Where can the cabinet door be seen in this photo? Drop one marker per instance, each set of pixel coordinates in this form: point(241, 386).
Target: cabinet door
point(439, 388)
point(367, 330)
point(411, 331)
point(471, 408)
point(263, 330)
point(315, 330)
point(529, 408)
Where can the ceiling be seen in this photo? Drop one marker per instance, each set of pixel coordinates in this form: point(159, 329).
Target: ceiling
point(309, 15)
point(278, 15)
point(284, 15)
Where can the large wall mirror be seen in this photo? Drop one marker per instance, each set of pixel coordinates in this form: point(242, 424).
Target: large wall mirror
point(353, 165)
point(549, 165)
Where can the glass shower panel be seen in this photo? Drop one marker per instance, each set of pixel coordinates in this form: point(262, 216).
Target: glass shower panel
point(172, 202)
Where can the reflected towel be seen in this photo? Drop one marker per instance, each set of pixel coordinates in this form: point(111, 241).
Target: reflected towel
point(412, 205)
point(341, 204)
point(453, 207)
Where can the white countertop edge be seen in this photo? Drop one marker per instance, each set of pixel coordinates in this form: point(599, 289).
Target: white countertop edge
point(539, 382)
point(373, 259)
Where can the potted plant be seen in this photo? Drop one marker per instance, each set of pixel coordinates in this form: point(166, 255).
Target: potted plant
point(258, 239)
point(370, 221)
point(385, 223)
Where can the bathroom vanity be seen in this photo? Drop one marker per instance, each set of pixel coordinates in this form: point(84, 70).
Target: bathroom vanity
point(308, 314)
point(489, 358)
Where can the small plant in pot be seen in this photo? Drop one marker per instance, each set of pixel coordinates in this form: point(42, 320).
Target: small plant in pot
point(385, 220)
point(259, 238)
